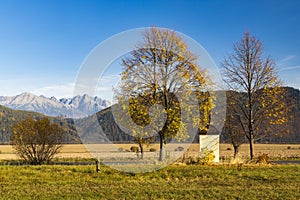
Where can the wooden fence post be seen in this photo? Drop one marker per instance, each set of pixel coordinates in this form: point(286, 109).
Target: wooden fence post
point(97, 166)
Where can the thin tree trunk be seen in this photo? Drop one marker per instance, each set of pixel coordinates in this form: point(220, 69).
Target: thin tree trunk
point(142, 150)
point(251, 142)
point(236, 151)
point(161, 149)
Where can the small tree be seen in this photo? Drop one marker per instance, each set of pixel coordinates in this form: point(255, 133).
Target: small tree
point(37, 141)
point(141, 141)
point(255, 78)
point(232, 130)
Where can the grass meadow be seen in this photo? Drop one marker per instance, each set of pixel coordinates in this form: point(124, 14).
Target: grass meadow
point(222, 181)
point(172, 182)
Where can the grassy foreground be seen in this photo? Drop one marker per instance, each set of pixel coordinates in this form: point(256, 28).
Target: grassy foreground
point(173, 182)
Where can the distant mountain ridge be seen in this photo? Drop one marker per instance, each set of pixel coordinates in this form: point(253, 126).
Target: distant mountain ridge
point(76, 107)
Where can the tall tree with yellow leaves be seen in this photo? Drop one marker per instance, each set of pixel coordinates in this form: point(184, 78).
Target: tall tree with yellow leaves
point(163, 89)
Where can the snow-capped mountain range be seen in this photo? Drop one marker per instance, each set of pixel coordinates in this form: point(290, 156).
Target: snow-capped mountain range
point(76, 107)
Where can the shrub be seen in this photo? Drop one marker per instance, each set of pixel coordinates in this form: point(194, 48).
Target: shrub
point(134, 149)
point(120, 149)
point(179, 149)
point(207, 157)
point(37, 141)
point(229, 149)
point(289, 147)
point(152, 149)
point(190, 160)
point(263, 158)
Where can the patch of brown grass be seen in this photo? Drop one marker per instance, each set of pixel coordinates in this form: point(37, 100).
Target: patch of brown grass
point(274, 151)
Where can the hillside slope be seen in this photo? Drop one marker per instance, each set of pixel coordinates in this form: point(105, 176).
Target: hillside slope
point(8, 117)
point(111, 132)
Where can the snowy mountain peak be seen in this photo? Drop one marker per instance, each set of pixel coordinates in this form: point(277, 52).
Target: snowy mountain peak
point(53, 98)
point(77, 106)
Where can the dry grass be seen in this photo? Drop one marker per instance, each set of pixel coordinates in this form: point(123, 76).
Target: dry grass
point(80, 151)
point(280, 151)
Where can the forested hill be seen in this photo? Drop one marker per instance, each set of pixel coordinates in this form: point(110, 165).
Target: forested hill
point(113, 133)
point(90, 132)
point(8, 117)
point(291, 133)
point(288, 132)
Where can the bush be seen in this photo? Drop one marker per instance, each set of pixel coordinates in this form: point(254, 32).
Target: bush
point(289, 147)
point(179, 149)
point(207, 157)
point(229, 149)
point(152, 149)
point(263, 158)
point(120, 149)
point(190, 160)
point(37, 141)
point(134, 149)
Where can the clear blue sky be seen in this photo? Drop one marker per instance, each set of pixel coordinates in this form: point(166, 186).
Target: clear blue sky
point(44, 42)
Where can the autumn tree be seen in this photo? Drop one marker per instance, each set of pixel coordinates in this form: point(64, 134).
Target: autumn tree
point(232, 129)
point(162, 87)
point(246, 71)
point(37, 141)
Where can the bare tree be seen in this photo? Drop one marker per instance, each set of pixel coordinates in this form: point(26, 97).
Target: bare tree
point(247, 71)
point(162, 71)
point(232, 130)
point(37, 141)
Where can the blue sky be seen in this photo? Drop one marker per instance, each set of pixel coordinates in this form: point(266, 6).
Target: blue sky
point(44, 42)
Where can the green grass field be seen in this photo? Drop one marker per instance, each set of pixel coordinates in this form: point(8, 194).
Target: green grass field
point(173, 182)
